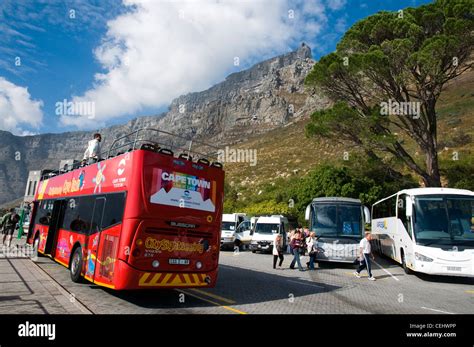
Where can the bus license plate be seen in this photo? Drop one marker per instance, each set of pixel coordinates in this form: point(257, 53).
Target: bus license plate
point(454, 268)
point(178, 261)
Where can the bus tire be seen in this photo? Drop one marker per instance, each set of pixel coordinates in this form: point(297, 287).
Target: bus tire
point(404, 263)
point(253, 251)
point(76, 265)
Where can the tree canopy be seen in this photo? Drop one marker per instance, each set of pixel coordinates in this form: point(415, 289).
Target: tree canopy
point(386, 76)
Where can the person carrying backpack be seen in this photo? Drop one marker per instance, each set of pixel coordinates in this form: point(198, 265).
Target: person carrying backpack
point(8, 224)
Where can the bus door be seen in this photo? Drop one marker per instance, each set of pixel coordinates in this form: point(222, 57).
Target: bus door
point(94, 237)
point(55, 222)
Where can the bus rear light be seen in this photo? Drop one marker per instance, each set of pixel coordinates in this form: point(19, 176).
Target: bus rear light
point(139, 242)
point(136, 252)
point(155, 263)
point(208, 280)
point(198, 265)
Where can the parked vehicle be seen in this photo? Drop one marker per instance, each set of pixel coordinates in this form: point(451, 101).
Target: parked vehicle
point(339, 226)
point(235, 230)
point(266, 229)
point(429, 230)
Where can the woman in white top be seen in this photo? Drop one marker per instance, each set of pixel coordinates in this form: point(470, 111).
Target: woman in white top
point(312, 247)
point(277, 250)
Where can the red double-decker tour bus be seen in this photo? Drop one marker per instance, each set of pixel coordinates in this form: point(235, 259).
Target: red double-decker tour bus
point(148, 217)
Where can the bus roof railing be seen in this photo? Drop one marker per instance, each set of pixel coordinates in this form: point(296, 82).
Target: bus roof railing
point(194, 150)
point(164, 143)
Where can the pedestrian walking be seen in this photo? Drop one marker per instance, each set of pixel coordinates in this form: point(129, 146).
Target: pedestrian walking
point(8, 224)
point(312, 247)
point(278, 250)
point(296, 246)
point(365, 255)
point(291, 235)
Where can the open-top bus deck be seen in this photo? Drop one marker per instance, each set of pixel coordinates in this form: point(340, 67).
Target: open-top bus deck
point(143, 218)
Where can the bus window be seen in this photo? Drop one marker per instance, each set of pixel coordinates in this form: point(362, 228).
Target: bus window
point(402, 213)
point(78, 214)
point(350, 220)
point(97, 216)
point(43, 215)
point(114, 208)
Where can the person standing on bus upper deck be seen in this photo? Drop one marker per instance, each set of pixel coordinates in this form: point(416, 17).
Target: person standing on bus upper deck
point(92, 153)
point(365, 255)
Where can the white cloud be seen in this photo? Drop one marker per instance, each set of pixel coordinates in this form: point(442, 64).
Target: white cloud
point(161, 49)
point(336, 4)
point(17, 109)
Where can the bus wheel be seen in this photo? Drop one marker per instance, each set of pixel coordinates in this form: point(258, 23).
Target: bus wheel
point(404, 263)
point(254, 251)
point(76, 265)
point(238, 244)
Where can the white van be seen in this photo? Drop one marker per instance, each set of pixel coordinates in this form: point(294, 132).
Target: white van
point(235, 230)
point(265, 231)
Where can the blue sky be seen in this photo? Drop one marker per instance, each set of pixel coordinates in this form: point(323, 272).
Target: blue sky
point(132, 57)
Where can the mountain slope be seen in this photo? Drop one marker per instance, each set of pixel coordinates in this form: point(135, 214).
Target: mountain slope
point(285, 153)
point(264, 97)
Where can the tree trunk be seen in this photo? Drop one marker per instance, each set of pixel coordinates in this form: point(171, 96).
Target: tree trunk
point(431, 152)
point(433, 178)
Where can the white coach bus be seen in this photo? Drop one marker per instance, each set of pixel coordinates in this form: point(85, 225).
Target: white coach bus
point(339, 224)
point(429, 230)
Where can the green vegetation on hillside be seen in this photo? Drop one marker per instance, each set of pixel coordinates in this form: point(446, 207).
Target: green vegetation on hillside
point(387, 75)
point(293, 166)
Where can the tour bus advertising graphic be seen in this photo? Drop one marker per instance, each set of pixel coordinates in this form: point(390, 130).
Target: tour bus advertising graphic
point(139, 220)
point(182, 190)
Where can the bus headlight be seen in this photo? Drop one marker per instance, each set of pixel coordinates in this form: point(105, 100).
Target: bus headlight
point(155, 263)
point(421, 257)
point(198, 265)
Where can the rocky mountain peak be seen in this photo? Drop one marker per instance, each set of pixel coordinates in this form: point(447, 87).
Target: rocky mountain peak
point(268, 95)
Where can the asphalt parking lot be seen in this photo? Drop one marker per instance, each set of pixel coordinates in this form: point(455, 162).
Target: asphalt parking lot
point(247, 284)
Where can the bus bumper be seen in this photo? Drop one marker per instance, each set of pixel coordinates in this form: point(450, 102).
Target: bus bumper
point(463, 269)
point(128, 277)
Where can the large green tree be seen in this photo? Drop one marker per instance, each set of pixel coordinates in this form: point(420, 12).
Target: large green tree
point(386, 76)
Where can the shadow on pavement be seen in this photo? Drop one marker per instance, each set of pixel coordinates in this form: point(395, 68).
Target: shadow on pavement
point(235, 286)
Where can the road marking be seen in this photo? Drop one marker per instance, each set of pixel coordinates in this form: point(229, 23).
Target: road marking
point(212, 302)
point(432, 309)
point(386, 271)
point(470, 291)
point(352, 274)
point(306, 284)
point(212, 295)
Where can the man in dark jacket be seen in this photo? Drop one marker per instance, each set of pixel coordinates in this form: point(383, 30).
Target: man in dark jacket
point(8, 224)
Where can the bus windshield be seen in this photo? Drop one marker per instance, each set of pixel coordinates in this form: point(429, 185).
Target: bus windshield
point(444, 220)
point(266, 228)
point(337, 220)
point(228, 226)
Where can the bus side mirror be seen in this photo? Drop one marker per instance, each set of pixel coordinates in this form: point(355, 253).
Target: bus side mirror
point(366, 215)
point(306, 213)
point(409, 206)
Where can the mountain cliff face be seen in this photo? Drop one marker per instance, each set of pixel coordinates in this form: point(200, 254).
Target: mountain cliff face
point(266, 96)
